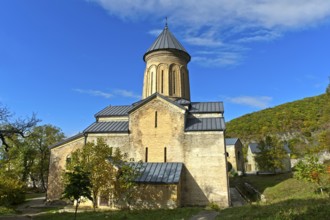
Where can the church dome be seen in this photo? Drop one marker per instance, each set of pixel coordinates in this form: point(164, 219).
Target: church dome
point(166, 41)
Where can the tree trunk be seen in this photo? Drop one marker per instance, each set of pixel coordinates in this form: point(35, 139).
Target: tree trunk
point(75, 213)
point(95, 200)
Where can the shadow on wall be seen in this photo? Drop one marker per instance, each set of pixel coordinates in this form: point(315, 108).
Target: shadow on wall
point(155, 196)
point(192, 194)
point(55, 184)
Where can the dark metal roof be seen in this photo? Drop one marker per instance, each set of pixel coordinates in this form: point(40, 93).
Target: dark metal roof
point(206, 107)
point(231, 141)
point(182, 102)
point(166, 173)
point(166, 40)
point(255, 149)
point(149, 98)
point(108, 127)
point(205, 124)
point(114, 111)
point(67, 140)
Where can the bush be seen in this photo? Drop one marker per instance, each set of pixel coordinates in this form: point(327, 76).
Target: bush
point(11, 191)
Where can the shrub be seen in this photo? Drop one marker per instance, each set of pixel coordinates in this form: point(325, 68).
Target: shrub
point(11, 191)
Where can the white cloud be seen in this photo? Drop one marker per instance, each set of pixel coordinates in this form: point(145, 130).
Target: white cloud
point(252, 101)
point(126, 93)
point(155, 32)
point(200, 41)
point(261, 35)
point(94, 93)
point(219, 59)
point(115, 93)
point(218, 23)
point(262, 13)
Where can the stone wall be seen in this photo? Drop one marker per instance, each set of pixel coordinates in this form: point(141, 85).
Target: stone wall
point(235, 156)
point(205, 177)
point(167, 132)
point(58, 158)
point(153, 196)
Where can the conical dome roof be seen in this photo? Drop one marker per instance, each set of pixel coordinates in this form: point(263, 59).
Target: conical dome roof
point(166, 40)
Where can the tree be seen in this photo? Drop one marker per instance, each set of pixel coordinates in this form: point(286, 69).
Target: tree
point(271, 154)
point(310, 170)
point(78, 185)
point(40, 139)
point(108, 170)
point(94, 158)
point(125, 187)
point(9, 129)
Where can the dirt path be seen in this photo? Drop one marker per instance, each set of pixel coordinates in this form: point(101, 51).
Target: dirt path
point(236, 200)
point(205, 215)
point(28, 209)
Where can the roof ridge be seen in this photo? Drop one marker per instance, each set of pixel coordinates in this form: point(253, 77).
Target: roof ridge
point(166, 40)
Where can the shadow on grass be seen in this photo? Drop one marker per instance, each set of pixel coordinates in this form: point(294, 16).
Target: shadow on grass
point(259, 182)
point(289, 209)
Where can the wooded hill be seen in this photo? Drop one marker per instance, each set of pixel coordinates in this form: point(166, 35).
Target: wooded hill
point(304, 124)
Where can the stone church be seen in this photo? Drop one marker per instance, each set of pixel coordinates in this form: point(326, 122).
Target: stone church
point(180, 142)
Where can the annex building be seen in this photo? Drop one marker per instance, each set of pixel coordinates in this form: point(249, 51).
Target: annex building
point(181, 142)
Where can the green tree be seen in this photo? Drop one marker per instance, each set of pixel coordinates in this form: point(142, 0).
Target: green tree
point(109, 173)
point(125, 187)
point(38, 152)
point(271, 154)
point(77, 186)
point(310, 170)
point(94, 158)
point(12, 190)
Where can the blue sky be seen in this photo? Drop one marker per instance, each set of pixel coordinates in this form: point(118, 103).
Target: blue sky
point(67, 59)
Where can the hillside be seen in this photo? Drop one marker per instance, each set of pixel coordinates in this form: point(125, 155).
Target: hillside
point(304, 124)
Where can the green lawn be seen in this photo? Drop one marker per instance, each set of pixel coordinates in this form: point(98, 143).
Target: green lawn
point(30, 196)
point(286, 198)
point(289, 209)
point(181, 213)
point(6, 211)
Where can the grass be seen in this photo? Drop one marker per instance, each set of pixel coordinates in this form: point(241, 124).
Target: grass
point(6, 211)
point(289, 209)
point(30, 196)
point(180, 213)
point(286, 198)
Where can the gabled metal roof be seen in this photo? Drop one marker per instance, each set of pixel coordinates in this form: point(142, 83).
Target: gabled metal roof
point(114, 111)
point(255, 149)
point(67, 140)
point(206, 107)
point(166, 40)
point(160, 173)
point(149, 98)
point(231, 141)
point(183, 102)
point(108, 127)
point(205, 124)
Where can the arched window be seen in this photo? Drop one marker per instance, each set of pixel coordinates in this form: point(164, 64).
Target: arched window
point(151, 82)
point(183, 84)
point(68, 160)
point(173, 82)
point(162, 82)
point(156, 118)
point(146, 155)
